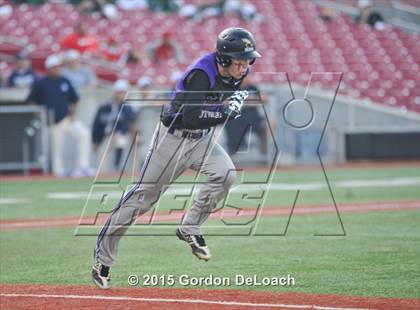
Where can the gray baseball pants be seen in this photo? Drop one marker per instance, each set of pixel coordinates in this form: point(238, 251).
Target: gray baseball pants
point(169, 156)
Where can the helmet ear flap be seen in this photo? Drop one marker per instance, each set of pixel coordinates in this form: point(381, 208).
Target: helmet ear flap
point(252, 61)
point(223, 60)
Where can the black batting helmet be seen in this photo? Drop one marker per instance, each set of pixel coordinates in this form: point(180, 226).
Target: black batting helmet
point(235, 43)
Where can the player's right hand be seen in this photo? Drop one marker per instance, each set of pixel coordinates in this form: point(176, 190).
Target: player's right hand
point(236, 101)
point(239, 95)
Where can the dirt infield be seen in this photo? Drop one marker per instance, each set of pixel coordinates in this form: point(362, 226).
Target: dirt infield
point(222, 213)
point(88, 297)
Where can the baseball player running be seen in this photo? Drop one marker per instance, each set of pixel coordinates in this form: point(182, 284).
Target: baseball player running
point(207, 95)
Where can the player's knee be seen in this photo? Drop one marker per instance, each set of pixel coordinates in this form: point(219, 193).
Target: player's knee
point(230, 177)
point(226, 177)
point(143, 196)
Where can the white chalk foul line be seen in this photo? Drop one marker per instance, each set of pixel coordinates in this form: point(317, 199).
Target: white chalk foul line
point(171, 300)
point(185, 189)
point(9, 201)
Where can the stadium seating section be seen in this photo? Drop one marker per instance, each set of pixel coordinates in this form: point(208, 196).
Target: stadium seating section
point(380, 65)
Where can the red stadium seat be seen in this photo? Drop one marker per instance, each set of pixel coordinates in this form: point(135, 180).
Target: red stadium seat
point(376, 64)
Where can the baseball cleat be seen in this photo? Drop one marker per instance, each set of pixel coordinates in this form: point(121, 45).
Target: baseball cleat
point(197, 244)
point(101, 276)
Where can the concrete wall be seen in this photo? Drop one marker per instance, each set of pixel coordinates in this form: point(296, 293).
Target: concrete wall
point(346, 115)
point(316, 116)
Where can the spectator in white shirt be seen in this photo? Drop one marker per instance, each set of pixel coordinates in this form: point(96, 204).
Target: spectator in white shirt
point(77, 73)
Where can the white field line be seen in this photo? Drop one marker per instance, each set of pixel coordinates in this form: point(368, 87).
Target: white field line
point(170, 300)
point(9, 201)
point(185, 189)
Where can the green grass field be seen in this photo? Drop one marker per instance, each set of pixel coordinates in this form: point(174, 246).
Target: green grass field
point(41, 206)
point(379, 256)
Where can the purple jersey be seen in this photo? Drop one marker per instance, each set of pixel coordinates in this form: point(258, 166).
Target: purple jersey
point(211, 100)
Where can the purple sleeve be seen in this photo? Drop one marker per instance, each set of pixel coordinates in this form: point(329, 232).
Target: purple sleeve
point(197, 114)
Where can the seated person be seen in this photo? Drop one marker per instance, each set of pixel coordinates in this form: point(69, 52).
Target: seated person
point(165, 49)
point(114, 52)
point(80, 40)
point(369, 16)
point(245, 9)
point(163, 5)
